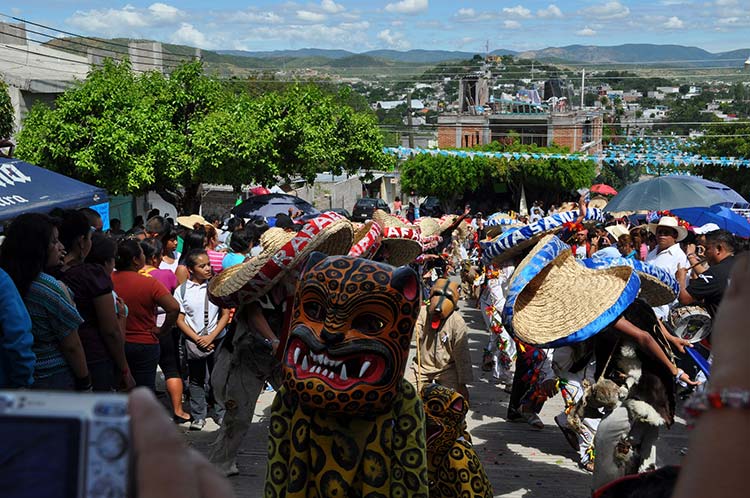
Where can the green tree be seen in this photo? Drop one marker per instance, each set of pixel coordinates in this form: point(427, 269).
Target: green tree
point(726, 141)
point(6, 112)
point(131, 134)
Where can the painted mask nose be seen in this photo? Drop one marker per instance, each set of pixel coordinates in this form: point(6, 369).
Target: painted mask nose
point(331, 339)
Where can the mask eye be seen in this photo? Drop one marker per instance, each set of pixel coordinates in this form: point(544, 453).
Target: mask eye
point(314, 310)
point(368, 323)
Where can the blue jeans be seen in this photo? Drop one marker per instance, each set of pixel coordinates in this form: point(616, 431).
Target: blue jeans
point(63, 381)
point(200, 371)
point(104, 375)
point(142, 359)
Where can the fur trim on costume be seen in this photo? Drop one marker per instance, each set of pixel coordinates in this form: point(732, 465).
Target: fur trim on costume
point(630, 365)
point(643, 412)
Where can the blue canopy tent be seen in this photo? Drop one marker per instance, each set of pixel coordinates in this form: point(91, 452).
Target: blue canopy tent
point(25, 188)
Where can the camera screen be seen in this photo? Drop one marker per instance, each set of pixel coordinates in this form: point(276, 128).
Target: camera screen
point(39, 457)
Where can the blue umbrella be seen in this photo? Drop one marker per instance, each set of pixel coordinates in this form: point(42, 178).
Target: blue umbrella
point(725, 218)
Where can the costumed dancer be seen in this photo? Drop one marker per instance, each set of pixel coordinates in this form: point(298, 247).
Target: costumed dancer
point(442, 341)
point(345, 421)
point(453, 466)
point(262, 289)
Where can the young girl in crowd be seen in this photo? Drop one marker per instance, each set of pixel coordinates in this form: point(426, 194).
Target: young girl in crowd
point(169, 256)
point(142, 295)
point(32, 249)
point(168, 343)
point(241, 244)
point(203, 324)
point(192, 240)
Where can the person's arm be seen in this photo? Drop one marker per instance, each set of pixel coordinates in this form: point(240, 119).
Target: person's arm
point(112, 336)
point(182, 274)
point(684, 297)
point(716, 463)
point(72, 351)
point(258, 322)
point(462, 356)
point(171, 308)
point(647, 343)
point(16, 338)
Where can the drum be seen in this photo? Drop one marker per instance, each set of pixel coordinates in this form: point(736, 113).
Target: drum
point(692, 323)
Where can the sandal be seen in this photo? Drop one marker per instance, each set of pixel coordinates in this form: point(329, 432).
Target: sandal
point(588, 466)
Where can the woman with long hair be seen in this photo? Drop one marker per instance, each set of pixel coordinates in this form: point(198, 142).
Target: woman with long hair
point(92, 288)
point(170, 258)
point(142, 295)
point(30, 250)
point(168, 343)
point(193, 239)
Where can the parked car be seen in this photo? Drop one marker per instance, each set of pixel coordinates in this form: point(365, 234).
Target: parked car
point(431, 207)
point(366, 206)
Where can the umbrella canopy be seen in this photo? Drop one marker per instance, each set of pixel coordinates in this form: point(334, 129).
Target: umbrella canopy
point(269, 205)
point(667, 193)
point(722, 216)
point(603, 188)
point(25, 188)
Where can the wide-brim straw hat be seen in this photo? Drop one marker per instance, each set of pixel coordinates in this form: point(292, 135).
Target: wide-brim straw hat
point(428, 227)
point(402, 240)
point(617, 231)
point(658, 287)
point(329, 233)
point(367, 240)
point(448, 220)
point(553, 300)
point(669, 222)
point(191, 221)
point(598, 202)
point(514, 241)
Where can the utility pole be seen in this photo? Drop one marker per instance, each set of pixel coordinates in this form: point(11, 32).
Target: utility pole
point(409, 121)
point(583, 86)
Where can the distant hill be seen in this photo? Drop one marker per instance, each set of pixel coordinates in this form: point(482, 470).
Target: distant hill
point(290, 54)
point(410, 56)
point(667, 55)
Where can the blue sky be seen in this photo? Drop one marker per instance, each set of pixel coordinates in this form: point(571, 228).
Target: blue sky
point(361, 25)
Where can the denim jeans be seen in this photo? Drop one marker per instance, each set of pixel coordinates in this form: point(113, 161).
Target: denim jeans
point(199, 371)
point(63, 381)
point(104, 375)
point(142, 359)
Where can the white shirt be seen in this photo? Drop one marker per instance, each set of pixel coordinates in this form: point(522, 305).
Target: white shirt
point(193, 307)
point(669, 259)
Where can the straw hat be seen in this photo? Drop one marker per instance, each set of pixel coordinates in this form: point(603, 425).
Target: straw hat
point(190, 221)
point(367, 239)
point(499, 222)
point(447, 221)
point(669, 222)
point(598, 202)
point(428, 227)
point(617, 230)
point(513, 242)
point(400, 239)
point(658, 287)
point(329, 233)
point(553, 300)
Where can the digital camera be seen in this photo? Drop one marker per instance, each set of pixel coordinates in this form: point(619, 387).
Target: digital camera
point(64, 445)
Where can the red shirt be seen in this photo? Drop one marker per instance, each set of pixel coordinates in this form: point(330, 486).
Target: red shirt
point(140, 294)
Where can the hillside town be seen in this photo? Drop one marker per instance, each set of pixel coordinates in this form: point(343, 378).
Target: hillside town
point(320, 273)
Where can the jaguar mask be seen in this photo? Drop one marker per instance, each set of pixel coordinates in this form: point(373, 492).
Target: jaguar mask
point(453, 467)
point(350, 334)
point(443, 301)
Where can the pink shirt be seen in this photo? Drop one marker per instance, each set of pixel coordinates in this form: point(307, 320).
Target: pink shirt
point(215, 258)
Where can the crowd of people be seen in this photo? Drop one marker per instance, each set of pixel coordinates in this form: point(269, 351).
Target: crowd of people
point(209, 305)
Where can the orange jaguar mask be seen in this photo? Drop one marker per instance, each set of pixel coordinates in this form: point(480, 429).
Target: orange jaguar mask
point(350, 334)
point(443, 301)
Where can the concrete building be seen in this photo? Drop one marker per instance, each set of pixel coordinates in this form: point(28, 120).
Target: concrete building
point(342, 191)
point(35, 73)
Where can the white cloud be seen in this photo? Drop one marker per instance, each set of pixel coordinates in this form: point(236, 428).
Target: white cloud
point(511, 25)
point(674, 22)
point(586, 32)
point(609, 10)
point(188, 35)
point(331, 7)
point(408, 6)
point(466, 13)
point(726, 3)
point(394, 40)
point(165, 12)
point(307, 16)
point(253, 17)
point(318, 35)
point(552, 11)
point(127, 20)
point(518, 11)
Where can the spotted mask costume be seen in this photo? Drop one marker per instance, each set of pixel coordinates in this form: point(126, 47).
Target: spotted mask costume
point(345, 422)
point(454, 469)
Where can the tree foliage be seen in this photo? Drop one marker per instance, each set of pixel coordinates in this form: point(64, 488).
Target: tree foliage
point(133, 133)
point(450, 176)
point(727, 141)
point(6, 112)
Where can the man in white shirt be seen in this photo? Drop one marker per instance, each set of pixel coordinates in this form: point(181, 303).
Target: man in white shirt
point(667, 254)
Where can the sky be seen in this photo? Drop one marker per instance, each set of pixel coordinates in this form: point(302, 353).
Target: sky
point(362, 25)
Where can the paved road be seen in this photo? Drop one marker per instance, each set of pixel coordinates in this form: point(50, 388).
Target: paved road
point(520, 461)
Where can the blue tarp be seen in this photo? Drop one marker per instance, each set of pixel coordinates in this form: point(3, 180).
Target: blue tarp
point(25, 188)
